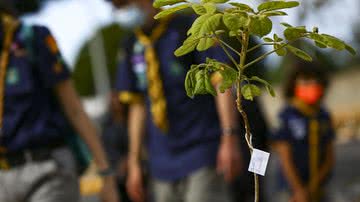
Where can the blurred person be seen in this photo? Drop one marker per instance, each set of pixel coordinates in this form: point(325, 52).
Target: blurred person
point(39, 112)
point(304, 140)
point(192, 144)
point(115, 139)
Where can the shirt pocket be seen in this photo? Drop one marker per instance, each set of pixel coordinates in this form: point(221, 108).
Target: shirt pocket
point(19, 78)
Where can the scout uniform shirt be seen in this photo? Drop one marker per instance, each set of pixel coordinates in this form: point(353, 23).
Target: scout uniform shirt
point(192, 139)
point(308, 136)
point(32, 117)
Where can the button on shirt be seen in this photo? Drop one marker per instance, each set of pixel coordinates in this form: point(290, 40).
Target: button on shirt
point(32, 116)
point(295, 129)
point(194, 131)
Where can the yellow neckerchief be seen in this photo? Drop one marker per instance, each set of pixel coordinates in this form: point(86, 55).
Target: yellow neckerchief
point(314, 136)
point(155, 85)
point(10, 25)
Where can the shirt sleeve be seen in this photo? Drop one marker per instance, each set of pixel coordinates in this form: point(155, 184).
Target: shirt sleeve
point(50, 64)
point(126, 81)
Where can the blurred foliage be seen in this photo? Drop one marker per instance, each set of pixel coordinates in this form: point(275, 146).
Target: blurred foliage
point(83, 78)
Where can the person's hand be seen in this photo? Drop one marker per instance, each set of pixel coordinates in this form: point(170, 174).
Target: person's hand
point(109, 191)
point(229, 161)
point(300, 195)
point(134, 183)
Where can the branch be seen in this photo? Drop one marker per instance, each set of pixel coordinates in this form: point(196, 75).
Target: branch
point(226, 52)
point(231, 48)
point(258, 46)
point(267, 54)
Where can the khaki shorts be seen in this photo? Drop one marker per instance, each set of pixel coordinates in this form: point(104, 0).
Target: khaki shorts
point(53, 180)
point(204, 185)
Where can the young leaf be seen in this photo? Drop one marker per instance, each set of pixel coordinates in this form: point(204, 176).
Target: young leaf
point(285, 24)
point(205, 43)
point(249, 91)
point(268, 40)
point(243, 7)
point(161, 3)
point(318, 39)
point(190, 81)
point(215, 1)
point(199, 9)
point(211, 24)
point(200, 82)
point(280, 51)
point(292, 33)
point(276, 5)
point(301, 54)
point(260, 26)
point(196, 26)
point(235, 21)
point(172, 10)
point(210, 8)
point(208, 85)
point(277, 38)
point(268, 87)
point(350, 49)
point(333, 42)
point(274, 13)
point(189, 45)
point(229, 76)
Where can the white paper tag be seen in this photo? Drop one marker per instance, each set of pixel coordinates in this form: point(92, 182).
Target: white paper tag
point(258, 162)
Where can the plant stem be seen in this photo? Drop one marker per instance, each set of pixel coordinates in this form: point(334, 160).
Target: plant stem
point(226, 52)
point(231, 48)
point(267, 54)
point(258, 46)
point(248, 135)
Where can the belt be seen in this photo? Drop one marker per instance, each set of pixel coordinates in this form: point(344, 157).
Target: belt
point(9, 160)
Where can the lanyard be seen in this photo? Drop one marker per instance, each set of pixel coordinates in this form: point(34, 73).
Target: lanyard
point(9, 24)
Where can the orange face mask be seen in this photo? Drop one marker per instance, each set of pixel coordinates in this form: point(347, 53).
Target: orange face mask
point(309, 93)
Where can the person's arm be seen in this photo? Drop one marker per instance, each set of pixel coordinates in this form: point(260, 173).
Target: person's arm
point(136, 124)
point(229, 158)
point(75, 113)
point(283, 149)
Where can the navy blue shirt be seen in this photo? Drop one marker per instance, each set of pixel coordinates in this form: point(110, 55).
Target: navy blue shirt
point(32, 116)
point(295, 129)
point(194, 129)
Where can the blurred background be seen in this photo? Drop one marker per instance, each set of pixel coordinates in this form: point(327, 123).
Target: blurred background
point(88, 34)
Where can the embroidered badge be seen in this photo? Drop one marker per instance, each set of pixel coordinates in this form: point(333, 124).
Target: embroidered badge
point(176, 69)
point(298, 128)
point(13, 76)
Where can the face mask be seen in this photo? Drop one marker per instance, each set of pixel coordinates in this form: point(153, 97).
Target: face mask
point(309, 93)
point(130, 17)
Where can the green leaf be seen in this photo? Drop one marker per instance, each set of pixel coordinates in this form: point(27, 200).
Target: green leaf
point(199, 9)
point(268, 40)
point(205, 43)
point(196, 26)
point(333, 42)
point(320, 45)
point(190, 81)
point(208, 85)
point(318, 39)
point(189, 45)
point(350, 49)
point(260, 26)
point(200, 82)
point(211, 24)
point(280, 52)
point(229, 76)
point(285, 24)
point(276, 5)
point(274, 13)
point(215, 1)
point(210, 8)
point(292, 33)
point(242, 7)
point(249, 91)
point(172, 10)
point(161, 3)
point(277, 38)
point(268, 87)
point(235, 21)
point(301, 54)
